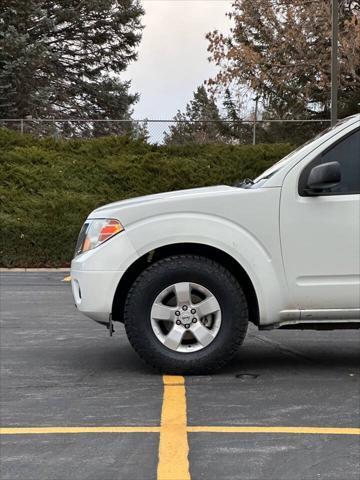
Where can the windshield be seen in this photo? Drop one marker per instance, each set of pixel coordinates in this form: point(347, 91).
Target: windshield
point(259, 181)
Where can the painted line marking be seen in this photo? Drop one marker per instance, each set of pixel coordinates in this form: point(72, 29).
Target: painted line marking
point(287, 430)
point(189, 429)
point(173, 446)
point(173, 461)
point(34, 270)
point(75, 430)
point(67, 279)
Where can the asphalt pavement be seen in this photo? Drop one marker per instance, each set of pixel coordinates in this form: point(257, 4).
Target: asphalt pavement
point(60, 369)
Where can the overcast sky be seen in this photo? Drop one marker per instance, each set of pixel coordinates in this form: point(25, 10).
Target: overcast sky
point(172, 60)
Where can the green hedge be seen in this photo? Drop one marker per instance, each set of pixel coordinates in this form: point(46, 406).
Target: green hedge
point(49, 186)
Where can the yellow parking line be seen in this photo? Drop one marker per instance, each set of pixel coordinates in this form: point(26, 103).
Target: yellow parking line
point(173, 461)
point(192, 429)
point(301, 430)
point(173, 447)
point(67, 279)
point(72, 430)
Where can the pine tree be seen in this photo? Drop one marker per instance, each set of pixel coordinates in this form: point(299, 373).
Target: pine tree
point(64, 58)
point(202, 122)
point(199, 123)
point(237, 130)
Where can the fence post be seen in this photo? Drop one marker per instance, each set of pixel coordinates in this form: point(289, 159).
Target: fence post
point(334, 61)
point(22, 126)
point(255, 119)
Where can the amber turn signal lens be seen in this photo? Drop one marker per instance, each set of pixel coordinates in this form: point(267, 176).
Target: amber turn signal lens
point(86, 245)
point(109, 230)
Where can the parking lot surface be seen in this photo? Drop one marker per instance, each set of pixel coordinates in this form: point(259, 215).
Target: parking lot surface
point(60, 370)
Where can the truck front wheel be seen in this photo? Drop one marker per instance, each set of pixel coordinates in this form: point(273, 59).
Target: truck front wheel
point(186, 314)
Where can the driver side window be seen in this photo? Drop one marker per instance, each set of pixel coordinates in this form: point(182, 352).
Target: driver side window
point(347, 153)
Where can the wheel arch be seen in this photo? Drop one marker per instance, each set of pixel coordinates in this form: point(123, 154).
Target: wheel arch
point(208, 251)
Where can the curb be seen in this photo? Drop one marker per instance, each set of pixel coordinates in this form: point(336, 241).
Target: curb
point(23, 270)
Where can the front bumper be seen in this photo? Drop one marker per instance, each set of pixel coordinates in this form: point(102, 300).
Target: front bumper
point(95, 276)
point(94, 292)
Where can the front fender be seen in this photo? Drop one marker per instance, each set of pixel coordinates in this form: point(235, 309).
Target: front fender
point(264, 267)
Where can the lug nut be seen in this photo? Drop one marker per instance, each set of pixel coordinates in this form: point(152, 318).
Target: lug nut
point(177, 313)
point(187, 326)
point(193, 311)
point(184, 307)
point(178, 322)
point(194, 320)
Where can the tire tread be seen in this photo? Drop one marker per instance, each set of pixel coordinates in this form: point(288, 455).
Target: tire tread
point(240, 311)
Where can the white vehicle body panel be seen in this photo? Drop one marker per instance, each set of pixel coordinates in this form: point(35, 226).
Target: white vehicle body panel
point(321, 241)
point(246, 224)
point(180, 219)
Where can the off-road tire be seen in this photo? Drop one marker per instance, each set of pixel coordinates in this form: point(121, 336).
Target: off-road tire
point(186, 268)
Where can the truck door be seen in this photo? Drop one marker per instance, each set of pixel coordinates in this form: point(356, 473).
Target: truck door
point(320, 234)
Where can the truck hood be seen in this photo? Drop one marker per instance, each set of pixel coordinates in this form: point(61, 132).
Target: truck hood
point(160, 199)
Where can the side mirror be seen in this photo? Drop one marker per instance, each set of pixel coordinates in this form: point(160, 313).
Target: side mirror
point(324, 176)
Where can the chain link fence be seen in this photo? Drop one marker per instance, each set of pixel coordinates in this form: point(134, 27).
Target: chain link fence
point(173, 132)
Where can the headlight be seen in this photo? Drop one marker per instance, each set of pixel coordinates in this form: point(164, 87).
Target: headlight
point(96, 232)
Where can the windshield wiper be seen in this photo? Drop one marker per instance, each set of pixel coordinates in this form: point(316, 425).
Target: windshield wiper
point(246, 183)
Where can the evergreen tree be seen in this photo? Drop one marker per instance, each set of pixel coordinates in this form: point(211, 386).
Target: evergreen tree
point(237, 130)
point(202, 122)
point(64, 58)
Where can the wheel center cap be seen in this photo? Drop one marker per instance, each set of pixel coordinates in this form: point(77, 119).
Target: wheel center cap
point(185, 318)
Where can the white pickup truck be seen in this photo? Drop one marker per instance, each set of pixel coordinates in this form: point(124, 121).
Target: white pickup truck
point(186, 271)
